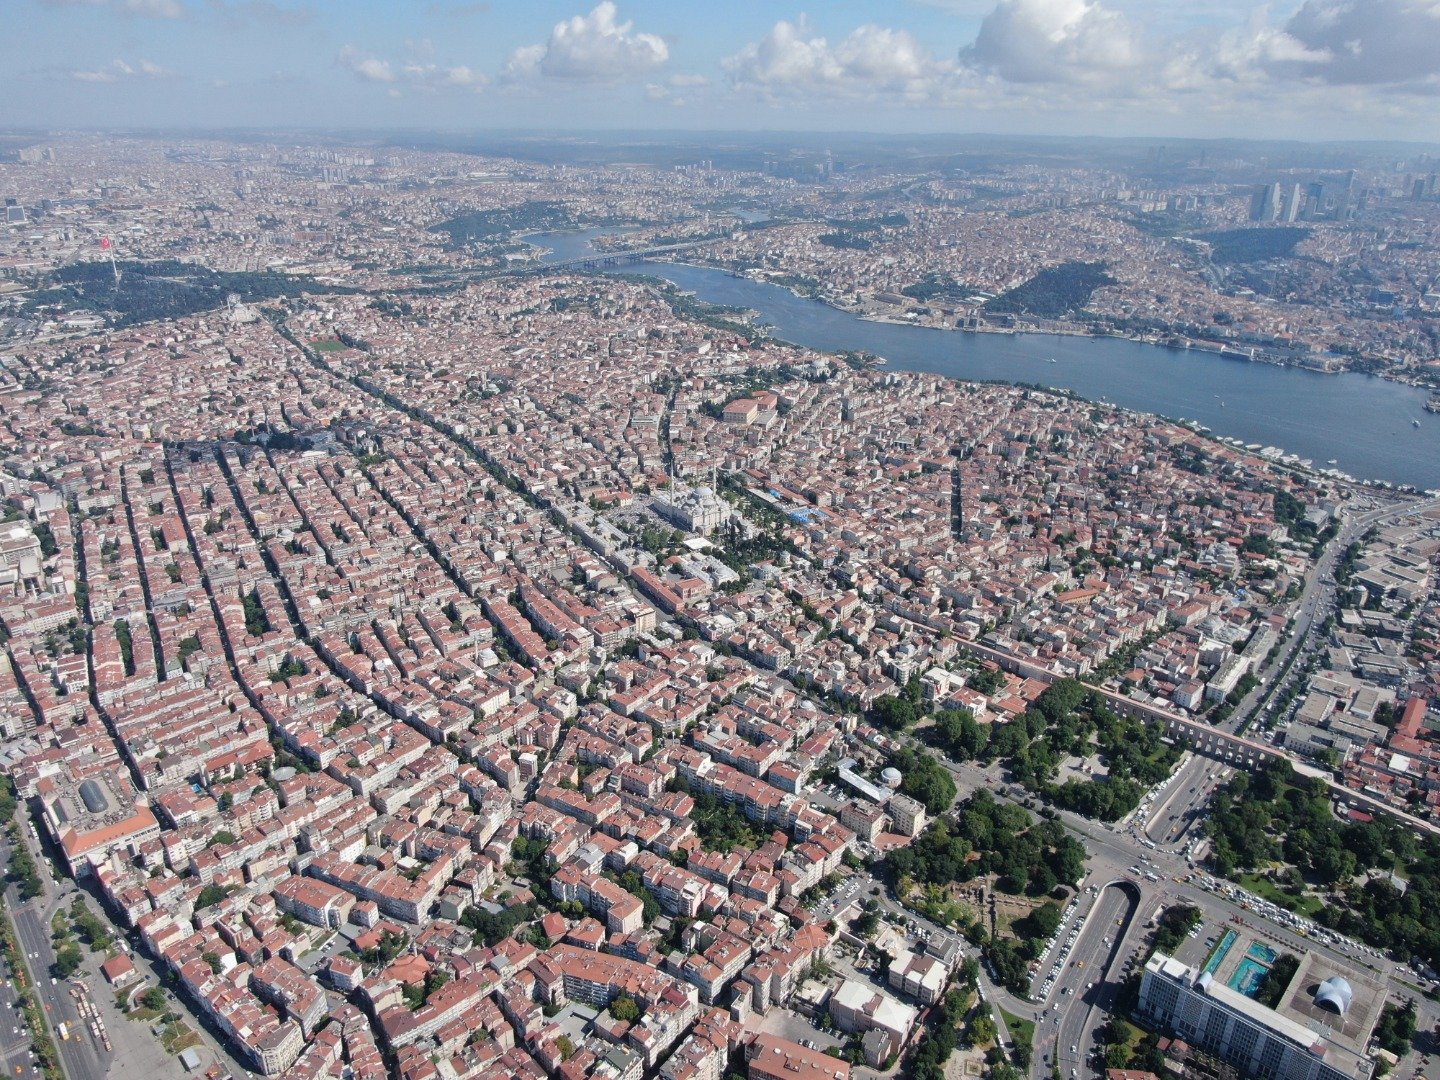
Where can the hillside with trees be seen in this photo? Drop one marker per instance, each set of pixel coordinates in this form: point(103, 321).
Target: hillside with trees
point(1054, 291)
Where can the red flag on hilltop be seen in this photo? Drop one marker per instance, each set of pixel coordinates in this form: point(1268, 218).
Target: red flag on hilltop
point(104, 243)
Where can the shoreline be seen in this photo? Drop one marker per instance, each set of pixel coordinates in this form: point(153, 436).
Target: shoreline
point(1278, 456)
point(1402, 378)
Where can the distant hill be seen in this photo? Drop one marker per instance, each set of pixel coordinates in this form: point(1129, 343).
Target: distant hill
point(1054, 291)
point(1253, 245)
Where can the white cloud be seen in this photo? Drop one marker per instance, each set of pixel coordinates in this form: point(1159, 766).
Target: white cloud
point(591, 47)
point(416, 72)
point(1231, 63)
point(157, 9)
point(118, 70)
point(153, 9)
point(871, 60)
point(671, 91)
point(525, 61)
point(1048, 41)
point(438, 75)
point(261, 11)
point(1374, 49)
point(364, 66)
point(1363, 42)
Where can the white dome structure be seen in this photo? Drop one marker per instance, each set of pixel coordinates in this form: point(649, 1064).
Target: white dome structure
point(1334, 994)
point(892, 777)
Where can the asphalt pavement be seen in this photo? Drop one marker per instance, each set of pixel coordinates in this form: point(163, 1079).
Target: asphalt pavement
point(81, 1055)
point(1085, 983)
point(16, 1056)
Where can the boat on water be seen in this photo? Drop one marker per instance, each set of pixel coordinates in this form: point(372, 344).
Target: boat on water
point(1051, 360)
point(1333, 461)
point(1414, 423)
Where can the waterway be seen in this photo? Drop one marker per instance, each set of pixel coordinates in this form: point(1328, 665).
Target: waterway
point(1365, 423)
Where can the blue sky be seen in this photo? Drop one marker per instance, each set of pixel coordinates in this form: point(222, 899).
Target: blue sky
point(1317, 69)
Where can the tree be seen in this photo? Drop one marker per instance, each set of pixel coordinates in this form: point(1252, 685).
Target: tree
point(961, 735)
point(892, 713)
point(970, 972)
point(1396, 1028)
point(210, 895)
point(256, 621)
point(67, 960)
point(925, 780)
point(982, 1029)
point(625, 1008)
point(1043, 921)
point(986, 680)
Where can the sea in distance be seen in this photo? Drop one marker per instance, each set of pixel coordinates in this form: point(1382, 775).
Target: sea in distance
point(1366, 424)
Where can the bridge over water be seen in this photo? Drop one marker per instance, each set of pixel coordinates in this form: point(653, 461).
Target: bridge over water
point(603, 259)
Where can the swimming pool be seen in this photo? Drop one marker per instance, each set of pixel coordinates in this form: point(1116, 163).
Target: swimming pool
point(1218, 956)
point(1248, 977)
point(1263, 953)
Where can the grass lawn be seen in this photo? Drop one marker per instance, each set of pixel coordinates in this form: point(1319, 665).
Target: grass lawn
point(179, 1036)
point(1264, 887)
point(1022, 1032)
point(328, 345)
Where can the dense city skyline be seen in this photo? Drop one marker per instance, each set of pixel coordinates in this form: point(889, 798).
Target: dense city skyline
point(623, 540)
point(1316, 70)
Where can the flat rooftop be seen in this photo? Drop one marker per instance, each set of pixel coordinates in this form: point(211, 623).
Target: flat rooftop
point(1237, 957)
point(1352, 1030)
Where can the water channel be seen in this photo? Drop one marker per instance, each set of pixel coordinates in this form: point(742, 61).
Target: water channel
point(1371, 427)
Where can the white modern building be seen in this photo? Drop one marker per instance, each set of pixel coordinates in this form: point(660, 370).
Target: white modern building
point(1318, 1031)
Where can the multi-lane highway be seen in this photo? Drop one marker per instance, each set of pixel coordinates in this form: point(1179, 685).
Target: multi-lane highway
point(1177, 813)
point(16, 1057)
point(1317, 597)
point(1087, 985)
point(81, 1055)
